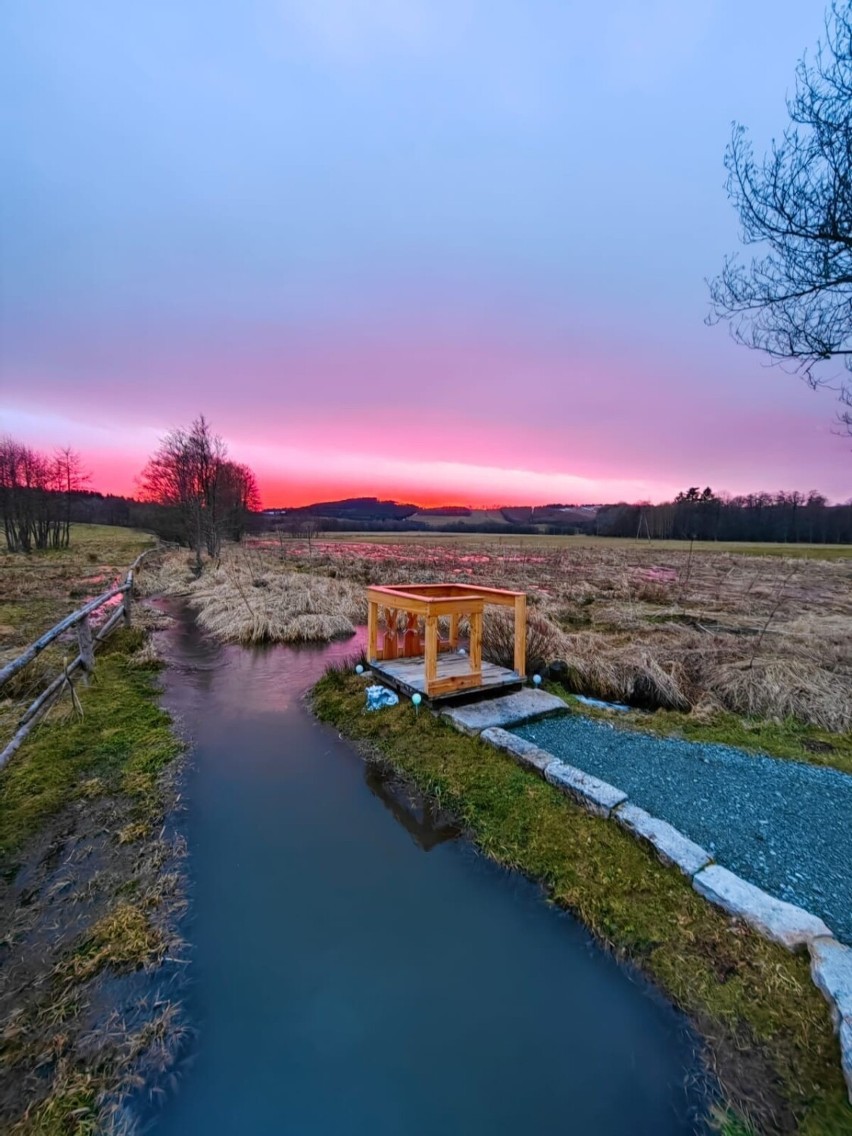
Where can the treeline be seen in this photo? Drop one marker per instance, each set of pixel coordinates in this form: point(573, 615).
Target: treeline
point(191, 493)
point(36, 494)
point(785, 517)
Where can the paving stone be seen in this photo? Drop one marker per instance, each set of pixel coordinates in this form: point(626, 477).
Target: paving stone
point(524, 752)
point(671, 845)
point(510, 710)
point(787, 924)
point(597, 796)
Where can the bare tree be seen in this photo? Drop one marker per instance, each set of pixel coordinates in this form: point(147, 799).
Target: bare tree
point(240, 498)
point(70, 478)
point(794, 300)
point(35, 496)
point(212, 496)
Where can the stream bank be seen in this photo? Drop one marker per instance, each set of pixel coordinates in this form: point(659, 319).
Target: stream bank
point(360, 969)
point(766, 1027)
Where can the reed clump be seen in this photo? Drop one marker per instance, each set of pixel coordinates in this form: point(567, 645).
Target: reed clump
point(243, 598)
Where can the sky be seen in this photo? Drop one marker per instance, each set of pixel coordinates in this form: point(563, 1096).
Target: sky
point(436, 250)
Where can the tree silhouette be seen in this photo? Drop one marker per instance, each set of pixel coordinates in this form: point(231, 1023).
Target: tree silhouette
point(794, 299)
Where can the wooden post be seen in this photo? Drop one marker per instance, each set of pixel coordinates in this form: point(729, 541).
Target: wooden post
point(521, 635)
point(431, 650)
point(454, 632)
point(411, 638)
point(475, 620)
point(128, 600)
point(389, 642)
point(372, 631)
point(87, 648)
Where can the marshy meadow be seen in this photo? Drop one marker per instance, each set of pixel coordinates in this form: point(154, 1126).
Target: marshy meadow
point(749, 648)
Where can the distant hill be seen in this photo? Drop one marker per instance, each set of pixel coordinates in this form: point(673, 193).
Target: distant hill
point(373, 513)
point(357, 509)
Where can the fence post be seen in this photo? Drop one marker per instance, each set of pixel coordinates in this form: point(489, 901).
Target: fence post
point(87, 647)
point(128, 599)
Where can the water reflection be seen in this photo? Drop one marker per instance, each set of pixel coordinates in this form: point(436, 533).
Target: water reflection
point(427, 825)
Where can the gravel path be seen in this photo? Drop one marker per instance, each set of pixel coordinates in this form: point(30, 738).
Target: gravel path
point(782, 825)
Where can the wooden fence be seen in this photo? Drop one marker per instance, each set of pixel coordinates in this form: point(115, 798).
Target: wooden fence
point(87, 641)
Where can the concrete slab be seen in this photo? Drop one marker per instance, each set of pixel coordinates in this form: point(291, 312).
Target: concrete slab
point(597, 796)
point(525, 753)
point(510, 710)
point(670, 844)
point(791, 926)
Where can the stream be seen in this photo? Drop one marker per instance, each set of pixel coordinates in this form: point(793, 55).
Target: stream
point(357, 967)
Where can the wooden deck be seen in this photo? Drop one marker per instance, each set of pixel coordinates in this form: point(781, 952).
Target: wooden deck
point(408, 676)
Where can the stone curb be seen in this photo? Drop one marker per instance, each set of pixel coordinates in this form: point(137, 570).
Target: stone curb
point(524, 752)
point(784, 923)
point(791, 926)
point(597, 796)
point(831, 970)
point(670, 845)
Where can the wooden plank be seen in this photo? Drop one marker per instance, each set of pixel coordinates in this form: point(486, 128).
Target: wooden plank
point(444, 686)
point(521, 634)
point(476, 641)
point(431, 653)
point(409, 595)
point(454, 605)
point(403, 600)
point(454, 631)
point(407, 676)
point(372, 630)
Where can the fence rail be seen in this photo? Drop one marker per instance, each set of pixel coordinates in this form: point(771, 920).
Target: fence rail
point(86, 643)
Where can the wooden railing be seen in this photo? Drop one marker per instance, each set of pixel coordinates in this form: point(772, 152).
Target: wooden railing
point(86, 643)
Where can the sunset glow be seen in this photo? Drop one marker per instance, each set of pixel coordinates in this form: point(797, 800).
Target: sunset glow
point(424, 251)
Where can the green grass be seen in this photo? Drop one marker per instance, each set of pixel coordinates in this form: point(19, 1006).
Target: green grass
point(121, 744)
point(744, 993)
point(116, 752)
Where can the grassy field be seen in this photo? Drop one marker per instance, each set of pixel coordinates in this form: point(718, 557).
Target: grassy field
point(754, 649)
point(38, 589)
point(90, 887)
point(767, 1029)
point(733, 642)
point(536, 540)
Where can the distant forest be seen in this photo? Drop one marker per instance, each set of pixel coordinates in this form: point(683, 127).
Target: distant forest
point(787, 517)
point(791, 517)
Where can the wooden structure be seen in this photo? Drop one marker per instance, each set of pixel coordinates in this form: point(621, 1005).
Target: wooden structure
point(429, 665)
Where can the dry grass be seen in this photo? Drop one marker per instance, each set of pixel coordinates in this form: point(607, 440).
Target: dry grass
point(656, 627)
point(650, 624)
point(247, 598)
